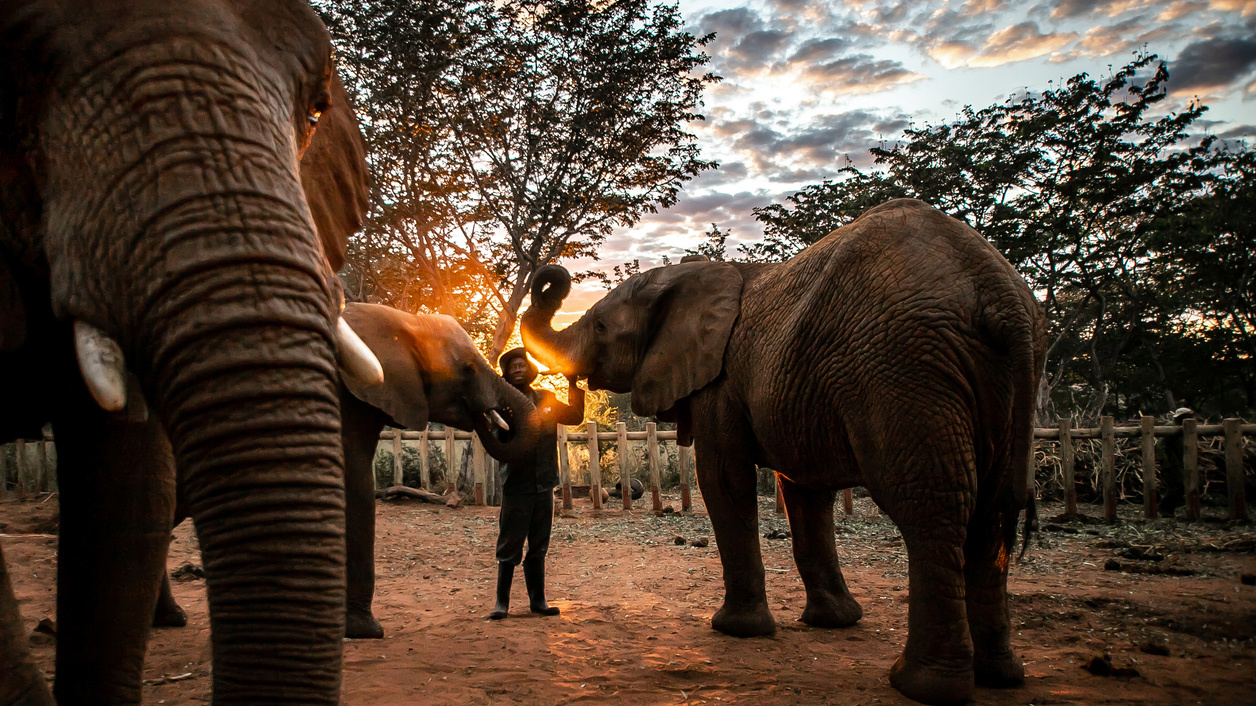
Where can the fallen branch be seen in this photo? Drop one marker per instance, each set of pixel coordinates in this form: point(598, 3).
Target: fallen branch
point(398, 492)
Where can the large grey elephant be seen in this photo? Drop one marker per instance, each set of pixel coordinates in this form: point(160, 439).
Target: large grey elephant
point(900, 353)
point(432, 373)
point(166, 301)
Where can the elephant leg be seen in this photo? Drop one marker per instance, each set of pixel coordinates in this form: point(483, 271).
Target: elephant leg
point(360, 428)
point(21, 683)
point(986, 557)
point(810, 513)
point(168, 613)
point(117, 504)
point(936, 666)
point(727, 480)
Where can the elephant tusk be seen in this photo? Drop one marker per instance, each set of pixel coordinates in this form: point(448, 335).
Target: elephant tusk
point(356, 358)
point(497, 419)
point(101, 362)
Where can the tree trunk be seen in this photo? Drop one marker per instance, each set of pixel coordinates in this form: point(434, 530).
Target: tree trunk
point(510, 315)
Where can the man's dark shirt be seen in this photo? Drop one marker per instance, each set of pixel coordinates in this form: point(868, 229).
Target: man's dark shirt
point(541, 474)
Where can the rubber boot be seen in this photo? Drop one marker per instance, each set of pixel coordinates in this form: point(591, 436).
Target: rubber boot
point(534, 578)
point(505, 574)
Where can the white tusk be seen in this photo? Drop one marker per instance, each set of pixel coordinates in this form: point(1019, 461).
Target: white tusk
point(104, 370)
point(497, 419)
point(356, 359)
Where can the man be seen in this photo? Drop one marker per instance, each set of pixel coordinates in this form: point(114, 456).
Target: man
point(1173, 479)
point(528, 488)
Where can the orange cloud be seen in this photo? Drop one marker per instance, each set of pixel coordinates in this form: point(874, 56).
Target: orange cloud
point(1018, 43)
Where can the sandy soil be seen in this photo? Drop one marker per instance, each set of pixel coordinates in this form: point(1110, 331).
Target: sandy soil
point(636, 609)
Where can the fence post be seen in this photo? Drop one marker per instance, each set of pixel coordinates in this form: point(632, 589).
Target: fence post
point(477, 468)
point(1234, 470)
point(780, 494)
point(595, 466)
point(652, 457)
point(564, 466)
point(396, 449)
point(1066, 466)
point(23, 469)
point(682, 458)
point(625, 477)
point(1107, 445)
point(451, 468)
point(1190, 466)
point(41, 478)
point(4, 471)
point(425, 477)
point(848, 502)
point(1148, 430)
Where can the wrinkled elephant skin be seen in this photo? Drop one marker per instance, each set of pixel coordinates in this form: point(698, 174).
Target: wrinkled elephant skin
point(901, 353)
point(151, 190)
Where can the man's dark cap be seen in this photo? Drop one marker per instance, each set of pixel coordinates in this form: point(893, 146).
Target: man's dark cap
point(504, 362)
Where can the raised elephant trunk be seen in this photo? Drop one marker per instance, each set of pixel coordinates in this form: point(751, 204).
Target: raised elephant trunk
point(558, 350)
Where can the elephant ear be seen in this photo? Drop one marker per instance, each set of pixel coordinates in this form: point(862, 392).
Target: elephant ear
point(390, 335)
point(693, 307)
point(335, 177)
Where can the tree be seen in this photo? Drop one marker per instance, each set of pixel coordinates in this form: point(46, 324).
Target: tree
point(523, 131)
point(1098, 202)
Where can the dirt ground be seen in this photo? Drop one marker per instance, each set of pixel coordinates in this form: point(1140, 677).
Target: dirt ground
point(636, 608)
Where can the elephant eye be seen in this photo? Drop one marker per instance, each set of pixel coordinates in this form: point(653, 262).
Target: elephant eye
point(599, 327)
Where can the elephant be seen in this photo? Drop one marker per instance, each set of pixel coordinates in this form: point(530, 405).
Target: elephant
point(168, 303)
point(432, 372)
point(901, 353)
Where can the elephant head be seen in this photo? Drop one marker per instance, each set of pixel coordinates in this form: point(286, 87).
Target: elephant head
point(434, 373)
point(151, 202)
point(660, 335)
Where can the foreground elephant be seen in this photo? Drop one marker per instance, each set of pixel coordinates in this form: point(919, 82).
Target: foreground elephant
point(432, 373)
point(902, 354)
point(165, 301)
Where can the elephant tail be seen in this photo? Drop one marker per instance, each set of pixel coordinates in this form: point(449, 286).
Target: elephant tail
point(1028, 346)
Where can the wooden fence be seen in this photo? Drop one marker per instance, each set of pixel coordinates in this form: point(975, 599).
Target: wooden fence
point(1191, 431)
point(35, 462)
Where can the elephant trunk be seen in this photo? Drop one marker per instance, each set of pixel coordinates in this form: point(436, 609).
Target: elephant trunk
point(245, 377)
point(192, 246)
point(525, 424)
point(558, 350)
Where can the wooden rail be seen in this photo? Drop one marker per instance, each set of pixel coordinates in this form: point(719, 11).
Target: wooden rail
point(1233, 430)
point(35, 462)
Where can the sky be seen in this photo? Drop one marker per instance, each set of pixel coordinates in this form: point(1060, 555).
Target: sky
point(808, 84)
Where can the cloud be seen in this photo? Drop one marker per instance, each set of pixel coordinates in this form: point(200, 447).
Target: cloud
point(814, 50)
point(1212, 64)
point(1019, 42)
point(789, 150)
point(1182, 8)
point(1247, 7)
point(1105, 40)
point(1066, 9)
point(860, 73)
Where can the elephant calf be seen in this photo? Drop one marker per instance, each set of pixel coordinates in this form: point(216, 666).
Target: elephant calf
point(900, 353)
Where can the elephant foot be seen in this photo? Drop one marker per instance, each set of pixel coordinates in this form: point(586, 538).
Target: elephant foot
point(832, 611)
point(169, 615)
point(361, 625)
point(754, 622)
point(1001, 671)
point(931, 684)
